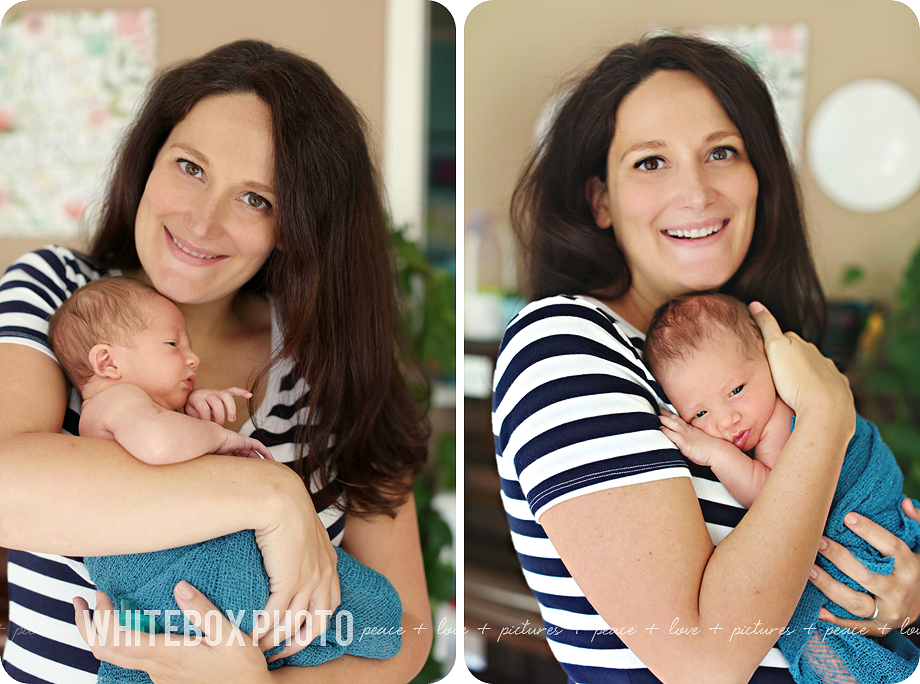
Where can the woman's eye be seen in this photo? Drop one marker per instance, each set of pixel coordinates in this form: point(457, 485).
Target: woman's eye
point(701, 414)
point(191, 168)
point(256, 201)
point(723, 153)
point(737, 390)
point(648, 164)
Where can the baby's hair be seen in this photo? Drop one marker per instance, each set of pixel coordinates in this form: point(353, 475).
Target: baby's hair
point(685, 322)
point(109, 310)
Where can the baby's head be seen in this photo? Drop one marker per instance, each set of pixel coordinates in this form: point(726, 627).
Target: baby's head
point(707, 353)
point(118, 330)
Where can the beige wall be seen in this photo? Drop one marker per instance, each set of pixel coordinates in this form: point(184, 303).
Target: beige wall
point(346, 37)
point(518, 51)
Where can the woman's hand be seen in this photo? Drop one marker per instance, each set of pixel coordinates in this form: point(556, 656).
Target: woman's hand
point(223, 656)
point(300, 562)
point(897, 594)
point(804, 378)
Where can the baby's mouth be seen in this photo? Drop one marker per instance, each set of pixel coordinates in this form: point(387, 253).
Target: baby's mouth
point(739, 439)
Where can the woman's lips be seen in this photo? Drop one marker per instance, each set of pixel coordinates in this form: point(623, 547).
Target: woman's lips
point(696, 231)
point(189, 253)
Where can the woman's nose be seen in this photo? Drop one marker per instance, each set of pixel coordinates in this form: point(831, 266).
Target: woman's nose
point(205, 217)
point(695, 189)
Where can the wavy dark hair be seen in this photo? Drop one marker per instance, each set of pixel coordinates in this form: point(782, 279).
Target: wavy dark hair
point(563, 252)
point(331, 275)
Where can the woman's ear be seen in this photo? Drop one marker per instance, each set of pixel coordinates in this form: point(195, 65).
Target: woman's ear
point(102, 361)
point(596, 194)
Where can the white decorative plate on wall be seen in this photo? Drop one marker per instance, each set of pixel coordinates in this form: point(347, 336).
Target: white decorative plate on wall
point(864, 145)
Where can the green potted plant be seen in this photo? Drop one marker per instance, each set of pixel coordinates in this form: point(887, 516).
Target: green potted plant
point(430, 293)
point(893, 377)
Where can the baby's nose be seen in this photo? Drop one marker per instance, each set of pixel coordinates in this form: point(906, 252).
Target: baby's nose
point(193, 360)
point(728, 420)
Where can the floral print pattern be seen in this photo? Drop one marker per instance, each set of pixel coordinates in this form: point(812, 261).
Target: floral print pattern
point(70, 82)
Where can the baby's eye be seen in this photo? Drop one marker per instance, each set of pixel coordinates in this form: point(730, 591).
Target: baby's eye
point(737, 390)
point(173, 344)
point(701, 414)
point(191, 168)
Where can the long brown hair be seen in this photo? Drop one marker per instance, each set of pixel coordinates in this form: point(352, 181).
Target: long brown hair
point(563, 250)
point(331, 274)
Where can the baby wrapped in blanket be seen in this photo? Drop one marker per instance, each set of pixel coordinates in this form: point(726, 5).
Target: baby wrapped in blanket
point(707, 353)
point(127, 350)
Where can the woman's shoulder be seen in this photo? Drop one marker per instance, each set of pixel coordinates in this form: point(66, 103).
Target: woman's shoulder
point(64, 265)
point(564, 339)
point(571, 319)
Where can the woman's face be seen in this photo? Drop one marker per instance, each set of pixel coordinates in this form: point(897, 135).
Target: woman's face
point(681, 192)
point(206, 223)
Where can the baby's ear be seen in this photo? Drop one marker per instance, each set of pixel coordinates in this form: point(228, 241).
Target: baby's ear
point(102, 361)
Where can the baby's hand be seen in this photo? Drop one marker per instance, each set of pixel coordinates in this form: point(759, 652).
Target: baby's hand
point(239, 445)
point(693, 443)
point(214, 405)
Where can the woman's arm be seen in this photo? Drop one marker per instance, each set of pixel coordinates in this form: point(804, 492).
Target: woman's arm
point(644, 558)
point(389, 545)
point(78, 497)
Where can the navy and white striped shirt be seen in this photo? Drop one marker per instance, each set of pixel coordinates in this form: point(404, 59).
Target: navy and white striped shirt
point(575, 411)
point(43, 644)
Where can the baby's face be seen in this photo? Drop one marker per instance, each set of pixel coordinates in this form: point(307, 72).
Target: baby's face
point(160, 360)
point(721, 391)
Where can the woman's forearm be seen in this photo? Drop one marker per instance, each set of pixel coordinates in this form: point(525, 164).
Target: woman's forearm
point(656, 571)
point(776, 542)
point(79, 496)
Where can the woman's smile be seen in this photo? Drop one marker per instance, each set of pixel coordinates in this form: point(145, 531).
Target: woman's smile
point(196, 256)
point(697, 230)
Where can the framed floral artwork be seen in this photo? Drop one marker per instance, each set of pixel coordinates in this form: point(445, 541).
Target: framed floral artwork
point(69, 84)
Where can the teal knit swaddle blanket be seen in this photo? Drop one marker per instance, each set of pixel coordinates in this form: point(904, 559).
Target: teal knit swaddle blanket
point(870, 484)
point(229, 571)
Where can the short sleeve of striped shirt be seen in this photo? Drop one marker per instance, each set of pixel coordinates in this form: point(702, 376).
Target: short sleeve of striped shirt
point(574, 409)
point(33, 287)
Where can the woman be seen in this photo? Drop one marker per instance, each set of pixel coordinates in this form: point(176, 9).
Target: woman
point(245, 193)
point(664, 172)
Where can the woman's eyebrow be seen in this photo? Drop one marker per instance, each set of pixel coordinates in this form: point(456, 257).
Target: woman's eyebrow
point(721, 135)
point(192, 151)
point(648, 145)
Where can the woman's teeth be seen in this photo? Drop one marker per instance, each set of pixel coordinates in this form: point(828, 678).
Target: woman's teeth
point(188, 251)
point(696, 232)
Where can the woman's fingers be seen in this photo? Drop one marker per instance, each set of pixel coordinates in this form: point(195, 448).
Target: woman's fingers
point(897, 595)
point(199, 610)
point(107, 639)
point(856, 602)
point(769, 328)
